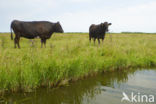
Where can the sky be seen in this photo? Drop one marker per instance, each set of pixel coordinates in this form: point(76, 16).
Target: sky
point(78, 15)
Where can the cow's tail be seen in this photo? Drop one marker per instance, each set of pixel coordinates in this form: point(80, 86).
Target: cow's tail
point(11, 33)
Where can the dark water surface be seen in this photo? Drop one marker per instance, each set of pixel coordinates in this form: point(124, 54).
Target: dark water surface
point(102, 89)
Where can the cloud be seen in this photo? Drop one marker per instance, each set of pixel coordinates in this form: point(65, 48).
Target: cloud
point(78, 15)
point(78, 1)
point(136, 18)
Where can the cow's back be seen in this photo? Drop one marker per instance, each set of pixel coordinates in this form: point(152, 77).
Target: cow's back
point(32, 29)
point(41, 27)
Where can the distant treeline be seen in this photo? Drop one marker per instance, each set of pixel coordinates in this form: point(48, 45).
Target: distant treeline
point(136, 33)
point(111, 33)
point(87, 33)
point(4, 32)
point(76, 32)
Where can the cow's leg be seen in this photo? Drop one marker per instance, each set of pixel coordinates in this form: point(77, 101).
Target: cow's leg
point(94, 40)
point(15, 41)
point(18, 39)
point(99, 40)
point(41, 43)
point(102, 40)
point(90, 38)
point(45, 43)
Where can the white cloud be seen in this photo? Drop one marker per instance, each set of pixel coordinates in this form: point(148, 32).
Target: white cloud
point(81, 0)
point(77, 18)
point(135, 18)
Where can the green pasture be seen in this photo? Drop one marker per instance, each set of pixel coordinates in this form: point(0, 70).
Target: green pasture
point(70, 56)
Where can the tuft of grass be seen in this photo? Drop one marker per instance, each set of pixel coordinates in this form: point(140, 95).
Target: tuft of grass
point(70, 56)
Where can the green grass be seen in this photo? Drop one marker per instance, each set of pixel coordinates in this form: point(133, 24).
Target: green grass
point(70, 56)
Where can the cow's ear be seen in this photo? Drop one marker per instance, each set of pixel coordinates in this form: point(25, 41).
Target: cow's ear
point(58, 22)
point(110, 24)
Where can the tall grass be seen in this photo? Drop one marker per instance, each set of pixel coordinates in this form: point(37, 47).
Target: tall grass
point(70, 56)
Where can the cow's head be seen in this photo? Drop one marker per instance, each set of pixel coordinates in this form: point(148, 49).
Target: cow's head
point(58, 28)
point(105, 26)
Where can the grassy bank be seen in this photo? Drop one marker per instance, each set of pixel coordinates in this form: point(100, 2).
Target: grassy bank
point(70, 56)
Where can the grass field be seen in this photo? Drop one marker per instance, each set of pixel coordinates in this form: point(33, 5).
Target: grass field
point(70, 56)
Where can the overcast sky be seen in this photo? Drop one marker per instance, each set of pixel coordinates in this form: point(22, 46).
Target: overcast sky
point(78, 15)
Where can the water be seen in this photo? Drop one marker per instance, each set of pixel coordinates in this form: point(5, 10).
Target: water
point(102, 89)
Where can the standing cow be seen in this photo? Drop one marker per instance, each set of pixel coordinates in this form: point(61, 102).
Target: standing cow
point(98, 31)
point(31, 30)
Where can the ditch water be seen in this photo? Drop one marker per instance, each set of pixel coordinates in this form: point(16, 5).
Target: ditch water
point(104, 88)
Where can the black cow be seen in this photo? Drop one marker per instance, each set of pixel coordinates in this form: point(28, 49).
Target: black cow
point(98, 31)
point(31, 30)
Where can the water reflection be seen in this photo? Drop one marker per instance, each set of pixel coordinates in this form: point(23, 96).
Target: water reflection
point(104, 87)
